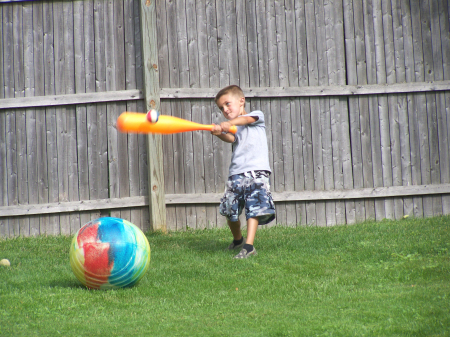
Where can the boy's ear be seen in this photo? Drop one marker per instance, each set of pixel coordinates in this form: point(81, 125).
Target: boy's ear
point(242, 100)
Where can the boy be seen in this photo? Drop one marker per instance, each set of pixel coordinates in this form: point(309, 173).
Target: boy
point(248, 178)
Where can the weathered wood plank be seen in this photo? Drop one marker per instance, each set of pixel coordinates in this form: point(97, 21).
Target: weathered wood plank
point(23, 226)
point(5, 81)
point(130, 83)
point(114, 138)
point(50, 226)
point(208, 60)
point(383, 109)
point(444, 14)
point(331, 126)
point(241, 42)
point(187, 166)
point(429, 40)
point(354, 122)
point(3, 174)
point(304, 130)
point(419, 108)
point(151, 89)
point(98, 121)
point(404, 150)
point(214, 198)
point(275, 114)
point(81, 110)
point(30, 115)
point(92, 158)
point(412, 118)
point(61, 116)
point(214, 81)
point(188, 93)
point(292, 124)
point(39, 89)
point(393, 107)
point(442, 152)
point(196, 44)
point(142, 140)
point(318, 217)
point(71, 99)
point(313, 90)
point(363, 102)
point(120, 84)
point(71, 136)
point(375, 141)
point(167, 47)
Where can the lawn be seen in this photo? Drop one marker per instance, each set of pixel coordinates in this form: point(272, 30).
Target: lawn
point(390, 278)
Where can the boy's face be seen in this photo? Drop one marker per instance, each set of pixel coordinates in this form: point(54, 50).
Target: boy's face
point(231, 105)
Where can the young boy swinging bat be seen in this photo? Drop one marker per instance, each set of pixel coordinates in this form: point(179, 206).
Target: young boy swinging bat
point(248, 178)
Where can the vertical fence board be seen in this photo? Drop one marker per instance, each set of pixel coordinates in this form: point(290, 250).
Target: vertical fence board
point(4, 230)
point(383, 107)
point(8, 82)
point(419, 108)
point(30, 115)
point(170, 154)
point(71, 137)
point(404, 151)
point(186, 139)
point(445, 98)
point(375, 137)
point(429, 73)
point(39, 90)
point(154, 142)
point(114, 162)
point(293, 127)
point(395, 172)
point(412, 120)
point(81, 110)
point(304, 150)
point(23, 227)
point(92, 124)
point(353, 106)
point(52, 226)
point(441, 158)
point(210, 61)
point(364, 103)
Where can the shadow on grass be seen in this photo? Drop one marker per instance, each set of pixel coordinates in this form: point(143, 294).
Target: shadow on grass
point(68, 283)
point(197, 241)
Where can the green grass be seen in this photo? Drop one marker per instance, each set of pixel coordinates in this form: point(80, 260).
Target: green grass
point(374, 279)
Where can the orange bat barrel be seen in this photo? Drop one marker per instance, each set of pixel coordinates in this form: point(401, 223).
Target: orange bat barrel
point(134, 122)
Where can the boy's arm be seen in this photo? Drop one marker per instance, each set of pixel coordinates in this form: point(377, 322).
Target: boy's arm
point(226, 137)
point(225, 127)
point(241, 120)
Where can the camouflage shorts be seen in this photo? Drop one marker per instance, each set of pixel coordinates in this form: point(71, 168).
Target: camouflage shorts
point(252, 191)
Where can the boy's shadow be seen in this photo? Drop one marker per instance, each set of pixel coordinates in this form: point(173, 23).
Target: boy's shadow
point(207, 245)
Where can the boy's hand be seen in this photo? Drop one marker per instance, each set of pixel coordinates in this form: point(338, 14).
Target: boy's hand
point(225, 126)
point(216, 130)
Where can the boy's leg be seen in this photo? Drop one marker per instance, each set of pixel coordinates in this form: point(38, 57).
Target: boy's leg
point(248, 249)
point(235, 227)
point(252, 226)
point(238, 239)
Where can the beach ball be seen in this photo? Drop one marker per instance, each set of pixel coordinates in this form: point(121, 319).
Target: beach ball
point(109, 253)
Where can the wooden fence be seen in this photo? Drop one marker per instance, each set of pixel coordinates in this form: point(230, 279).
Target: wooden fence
point(355, 94)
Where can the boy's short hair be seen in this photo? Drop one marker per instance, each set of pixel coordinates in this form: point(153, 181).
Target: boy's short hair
point(231, 89)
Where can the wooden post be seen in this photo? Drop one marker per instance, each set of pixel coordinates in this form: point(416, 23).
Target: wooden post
point(157, 205)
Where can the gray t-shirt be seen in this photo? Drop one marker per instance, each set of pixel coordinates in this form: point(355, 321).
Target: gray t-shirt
point(250, 150)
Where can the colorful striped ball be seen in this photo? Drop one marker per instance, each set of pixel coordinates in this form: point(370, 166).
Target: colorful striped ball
point(109, 253)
